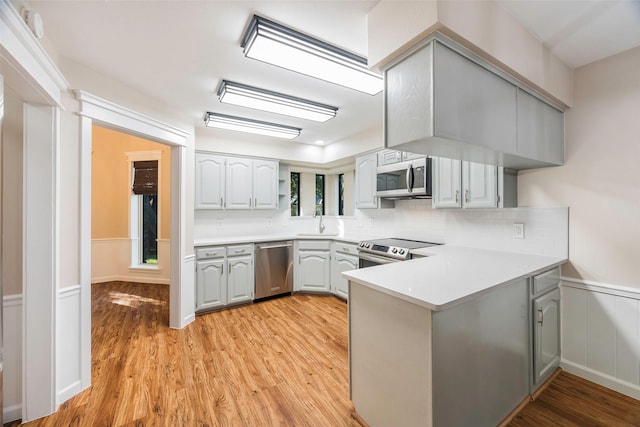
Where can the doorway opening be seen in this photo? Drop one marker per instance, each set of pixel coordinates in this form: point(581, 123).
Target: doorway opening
point(130, 208)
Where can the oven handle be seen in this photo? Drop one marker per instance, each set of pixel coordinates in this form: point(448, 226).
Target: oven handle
point(376, 259)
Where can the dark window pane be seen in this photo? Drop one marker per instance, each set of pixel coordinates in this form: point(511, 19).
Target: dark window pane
point(295, 194)
point(150, 228)
point(319, 194)
point(341, 194)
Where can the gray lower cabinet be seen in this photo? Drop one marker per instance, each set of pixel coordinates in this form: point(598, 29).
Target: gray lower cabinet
point(312, 266)
point(345, 258)
point(211, 284)
point(224, 276)
point(545, 316)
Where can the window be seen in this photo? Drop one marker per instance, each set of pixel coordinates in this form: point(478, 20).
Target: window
point(319, 195)
point(341, 194)
point(295, 194)
point(144, 212)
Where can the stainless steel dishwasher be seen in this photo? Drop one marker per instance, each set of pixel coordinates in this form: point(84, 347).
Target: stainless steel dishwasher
point(274, 268)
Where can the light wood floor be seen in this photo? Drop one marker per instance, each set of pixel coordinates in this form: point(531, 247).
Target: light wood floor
point(280, 362)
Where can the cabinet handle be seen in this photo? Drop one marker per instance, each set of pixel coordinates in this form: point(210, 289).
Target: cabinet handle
point(299, 259)
point(255, 202)
point(249, 201)
point(466, 196)
point(541, 320)
point(222, 269)
point(220, 201)
point(457, 196)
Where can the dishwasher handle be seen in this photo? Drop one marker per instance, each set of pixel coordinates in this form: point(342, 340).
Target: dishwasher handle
point(284, 245)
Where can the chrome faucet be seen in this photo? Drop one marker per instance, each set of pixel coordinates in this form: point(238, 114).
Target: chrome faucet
point(320, 224)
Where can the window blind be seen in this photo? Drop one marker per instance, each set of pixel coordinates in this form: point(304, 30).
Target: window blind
point(145, 177)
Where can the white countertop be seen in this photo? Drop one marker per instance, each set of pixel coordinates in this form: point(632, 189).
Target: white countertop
point(450, 275)
point(232, 240)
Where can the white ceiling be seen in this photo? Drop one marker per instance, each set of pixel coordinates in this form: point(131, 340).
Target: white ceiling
point(177, 52)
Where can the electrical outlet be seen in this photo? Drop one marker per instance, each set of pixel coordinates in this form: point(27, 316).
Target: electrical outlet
point(219, 223)
point(518, 230)
point(269, 222)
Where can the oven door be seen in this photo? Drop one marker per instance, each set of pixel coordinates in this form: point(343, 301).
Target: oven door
point(369, 260)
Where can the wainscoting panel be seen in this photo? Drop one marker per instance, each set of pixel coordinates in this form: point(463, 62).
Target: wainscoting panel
point(68, 344)
point(111, 260)
point(12, 375)
point(601, 334)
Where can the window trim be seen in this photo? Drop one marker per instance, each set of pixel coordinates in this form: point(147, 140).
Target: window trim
point(324, 193)
point(135, 207)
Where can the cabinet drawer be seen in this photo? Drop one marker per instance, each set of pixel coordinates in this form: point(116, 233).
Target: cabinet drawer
point(210, 252)
point(546, 281)
point(238, 250)
point(345, 248)
point(319, 245)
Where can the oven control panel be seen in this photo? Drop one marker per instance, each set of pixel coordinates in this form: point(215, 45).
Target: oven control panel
point(384, 250)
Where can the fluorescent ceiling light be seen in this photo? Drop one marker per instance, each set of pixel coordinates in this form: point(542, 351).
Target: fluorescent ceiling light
point(276, 44)
point(241, 124)
point(274, 102)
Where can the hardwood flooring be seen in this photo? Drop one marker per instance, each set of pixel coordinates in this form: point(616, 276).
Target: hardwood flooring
point(573, 401)
point(281, 362)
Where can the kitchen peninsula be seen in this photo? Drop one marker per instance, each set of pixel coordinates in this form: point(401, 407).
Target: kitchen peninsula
point(443, 340)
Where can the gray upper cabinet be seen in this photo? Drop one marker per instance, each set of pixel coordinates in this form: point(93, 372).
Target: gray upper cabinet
point(471, 104)
point(442, 101)
point(540, 129)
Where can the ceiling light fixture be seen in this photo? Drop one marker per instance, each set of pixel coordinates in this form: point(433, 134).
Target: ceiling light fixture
point(276, 44)
point(241, 124)
point(274, 102)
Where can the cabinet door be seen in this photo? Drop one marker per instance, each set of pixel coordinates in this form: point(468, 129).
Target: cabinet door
point(540, 130)
point(210, 181)
point(480, 184)
point(366, 181)
point(407, 99)
point(471, 104)
point(238, 188)
point(546, 351)
point(446, 183)
point(240, 279)
point(211, 281)
point(342, 263)
point(265, 184)
point(314, 269)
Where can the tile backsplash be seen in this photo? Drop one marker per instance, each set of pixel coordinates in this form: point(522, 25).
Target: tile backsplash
point(546, 230)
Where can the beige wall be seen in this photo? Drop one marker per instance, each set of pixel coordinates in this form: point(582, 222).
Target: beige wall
point(111, 183)
point(600, 181)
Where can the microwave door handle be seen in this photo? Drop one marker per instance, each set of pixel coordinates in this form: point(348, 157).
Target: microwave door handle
point(409, 178)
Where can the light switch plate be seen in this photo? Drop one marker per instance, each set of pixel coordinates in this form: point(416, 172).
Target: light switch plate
point(518, 230)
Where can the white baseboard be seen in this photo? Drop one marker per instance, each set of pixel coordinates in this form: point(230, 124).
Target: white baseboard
point(11, 413)
point(134, 279)
point(68, 392)
point(602, 379)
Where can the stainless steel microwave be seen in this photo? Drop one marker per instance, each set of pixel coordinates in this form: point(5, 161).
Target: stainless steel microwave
point(411, 179)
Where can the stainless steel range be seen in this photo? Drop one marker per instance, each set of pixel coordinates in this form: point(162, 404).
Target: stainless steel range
point(385, 251)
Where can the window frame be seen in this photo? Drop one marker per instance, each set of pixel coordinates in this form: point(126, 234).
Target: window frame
point(136, 210)
point(323, 203)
